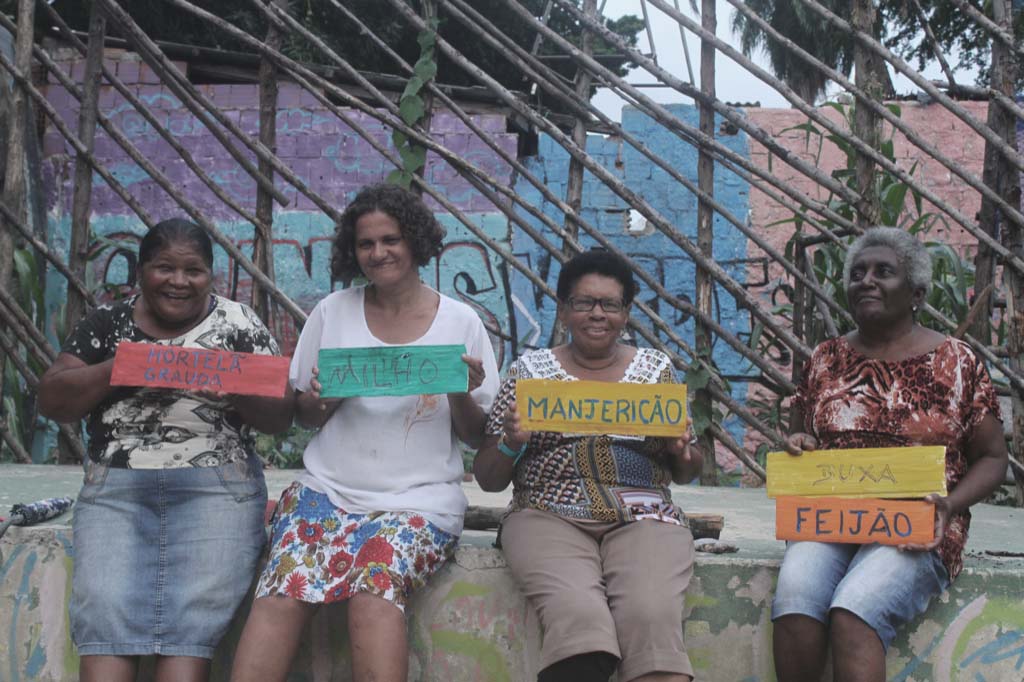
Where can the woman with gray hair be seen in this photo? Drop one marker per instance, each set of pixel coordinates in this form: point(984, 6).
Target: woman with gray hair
point(889, 383)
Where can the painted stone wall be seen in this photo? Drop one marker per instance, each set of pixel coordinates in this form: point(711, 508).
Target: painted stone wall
point(471, 624)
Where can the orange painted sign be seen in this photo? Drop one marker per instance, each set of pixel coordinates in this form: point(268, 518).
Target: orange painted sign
point(154, 365)
point(861, 521)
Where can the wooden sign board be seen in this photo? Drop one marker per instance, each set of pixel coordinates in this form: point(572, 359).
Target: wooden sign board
point(602, 407)
point(154, 365)
point(863, 521)
point(863, 472)
point(392, 370)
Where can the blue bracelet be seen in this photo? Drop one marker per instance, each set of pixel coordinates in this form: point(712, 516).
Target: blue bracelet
point(504, 449)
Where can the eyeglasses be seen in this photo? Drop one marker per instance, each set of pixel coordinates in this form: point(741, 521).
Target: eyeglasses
point(584, 304)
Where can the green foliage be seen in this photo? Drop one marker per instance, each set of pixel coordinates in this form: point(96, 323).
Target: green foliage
point(283, 450)
point(413, 109)
point(898, 28)
point(901, 206)
point(19, 404)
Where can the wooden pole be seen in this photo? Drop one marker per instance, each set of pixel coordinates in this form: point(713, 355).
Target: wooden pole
point(206, 111)
point(14, 191)
point(867, 40)
point(677, 303)
point(10, 349)
point(47, 253)
point(473, 20)
point(1007, 182)
point(706, 235)
point(146, 114)
point(165, 184)
point(263, 237)
point(860, 145)
point(1001, 33)
point(574, 184)
point(78, 253)
point(865, 123)
point(627, 194)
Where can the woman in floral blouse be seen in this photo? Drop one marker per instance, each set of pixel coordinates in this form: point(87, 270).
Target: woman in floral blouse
point(888, 383)
point(592, 535)
point(173, 483)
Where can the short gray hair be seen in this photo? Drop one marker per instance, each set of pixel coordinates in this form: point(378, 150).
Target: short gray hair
point(912, 254)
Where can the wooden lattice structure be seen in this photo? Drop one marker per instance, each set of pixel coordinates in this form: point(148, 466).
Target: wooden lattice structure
point(556, 222)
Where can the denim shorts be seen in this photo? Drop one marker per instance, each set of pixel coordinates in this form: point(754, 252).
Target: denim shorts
point(881, 585)
point(163, 557)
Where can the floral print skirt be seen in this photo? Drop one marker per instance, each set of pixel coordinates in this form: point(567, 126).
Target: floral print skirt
point(322, 554)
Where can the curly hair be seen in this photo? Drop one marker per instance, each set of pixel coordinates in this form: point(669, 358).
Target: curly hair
point(419, 227)
point(912, 255)
point(596, 261)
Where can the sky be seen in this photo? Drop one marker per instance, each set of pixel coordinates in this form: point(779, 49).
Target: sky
point(733, 83)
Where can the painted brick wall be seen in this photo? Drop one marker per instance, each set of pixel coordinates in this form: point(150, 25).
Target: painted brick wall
point(659, 256)
point(331, 158)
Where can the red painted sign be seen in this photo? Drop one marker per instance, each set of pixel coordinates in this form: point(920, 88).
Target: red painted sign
point(154, 365)
point(862, 521)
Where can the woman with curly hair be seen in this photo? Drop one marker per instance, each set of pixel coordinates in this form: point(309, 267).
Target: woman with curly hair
point(379, 505)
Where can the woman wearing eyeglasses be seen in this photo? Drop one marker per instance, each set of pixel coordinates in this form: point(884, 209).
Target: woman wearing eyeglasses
point(592, 535)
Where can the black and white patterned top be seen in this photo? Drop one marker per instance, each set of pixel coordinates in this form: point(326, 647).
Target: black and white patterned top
point(594, 477)
point(155, 428)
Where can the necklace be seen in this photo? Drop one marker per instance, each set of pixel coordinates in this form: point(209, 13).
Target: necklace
point(594, 368)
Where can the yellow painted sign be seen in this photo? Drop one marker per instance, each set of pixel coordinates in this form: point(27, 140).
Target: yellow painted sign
point(602, 407)
point(858, 473)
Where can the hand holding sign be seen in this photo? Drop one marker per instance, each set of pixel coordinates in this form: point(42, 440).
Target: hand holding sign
point(393, 370)
point(943, 512)
point(515, 436)
point(476, 371)
point(685, 459)
point(212, 371)
point(796, 443)
point(831, 495)
point(315, 392)
point(602, 407)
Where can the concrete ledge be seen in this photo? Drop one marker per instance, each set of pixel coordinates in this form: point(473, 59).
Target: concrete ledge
point(471, 623)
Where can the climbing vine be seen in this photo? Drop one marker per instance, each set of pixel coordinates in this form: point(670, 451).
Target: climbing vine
point(413, 109)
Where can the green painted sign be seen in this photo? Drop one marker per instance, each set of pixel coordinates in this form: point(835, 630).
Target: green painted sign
point(392, 370)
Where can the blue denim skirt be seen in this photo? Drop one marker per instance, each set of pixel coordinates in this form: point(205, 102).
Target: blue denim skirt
point(163, 557)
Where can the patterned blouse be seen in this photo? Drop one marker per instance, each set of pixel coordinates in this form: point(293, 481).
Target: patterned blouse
point(599, 478)
point(155, 428)
point(938, 398)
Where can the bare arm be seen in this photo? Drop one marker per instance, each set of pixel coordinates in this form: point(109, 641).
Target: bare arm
point(684, 458)
point(70, 389)
point(986, 469)
point(492, 468)
point(312, 411)
point(268, 415)
point(468, 418)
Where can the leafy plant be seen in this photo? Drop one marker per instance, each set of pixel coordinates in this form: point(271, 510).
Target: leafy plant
point(19, 404)
point(901, 206)
point(283, 450)
point(412, 108)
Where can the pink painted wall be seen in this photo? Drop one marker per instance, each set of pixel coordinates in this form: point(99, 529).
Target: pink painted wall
point(933, 122)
